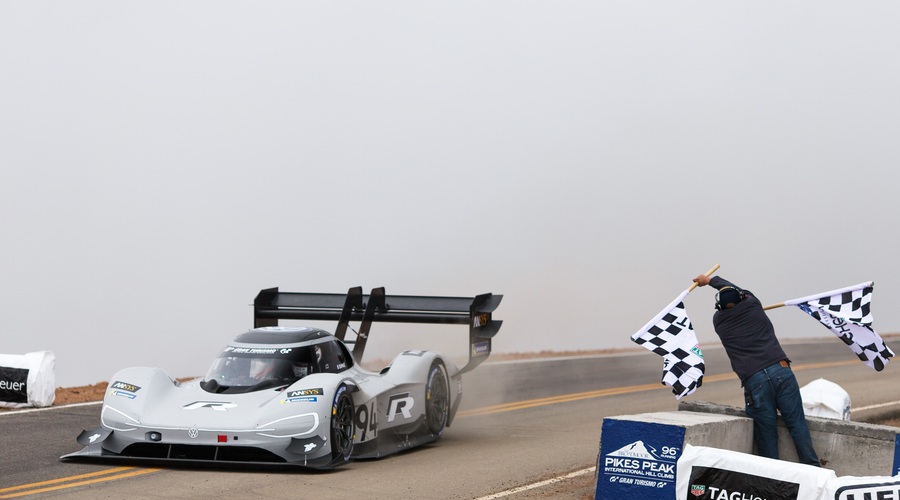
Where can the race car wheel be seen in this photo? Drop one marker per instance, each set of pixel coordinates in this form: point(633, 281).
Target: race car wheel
point(437, 398)
point(343, 427)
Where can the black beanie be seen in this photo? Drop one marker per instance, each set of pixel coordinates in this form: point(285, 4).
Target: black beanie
point(729, 296)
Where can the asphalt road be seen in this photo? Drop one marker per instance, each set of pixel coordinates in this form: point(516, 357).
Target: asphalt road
point(520, 423)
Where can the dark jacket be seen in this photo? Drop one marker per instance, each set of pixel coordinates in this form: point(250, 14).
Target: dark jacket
point(747, 334)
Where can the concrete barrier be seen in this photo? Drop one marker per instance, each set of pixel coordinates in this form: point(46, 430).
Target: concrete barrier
point(846, 447)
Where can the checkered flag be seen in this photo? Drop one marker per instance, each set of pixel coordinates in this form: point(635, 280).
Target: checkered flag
point(847, 313)
point(671, 335)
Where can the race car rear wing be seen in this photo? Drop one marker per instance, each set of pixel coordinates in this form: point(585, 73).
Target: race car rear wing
point(271, 305)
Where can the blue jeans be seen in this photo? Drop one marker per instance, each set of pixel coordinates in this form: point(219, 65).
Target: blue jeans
point(775, 388)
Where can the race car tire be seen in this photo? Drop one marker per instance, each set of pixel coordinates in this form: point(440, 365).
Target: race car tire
point(343, 428)
point(437, 398)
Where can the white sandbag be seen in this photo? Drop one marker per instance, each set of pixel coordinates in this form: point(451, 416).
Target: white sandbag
point(27, 379)
point(713, 473)
point(822, 398)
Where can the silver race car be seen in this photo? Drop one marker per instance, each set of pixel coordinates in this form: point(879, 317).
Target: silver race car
point(296, 395)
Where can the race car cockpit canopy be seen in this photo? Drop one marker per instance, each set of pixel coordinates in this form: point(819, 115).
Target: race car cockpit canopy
point(269, 357)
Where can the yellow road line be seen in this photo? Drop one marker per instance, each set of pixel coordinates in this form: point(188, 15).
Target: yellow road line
point(64, 479)
point(108, 475)
point(829, 364)
point(565, 398)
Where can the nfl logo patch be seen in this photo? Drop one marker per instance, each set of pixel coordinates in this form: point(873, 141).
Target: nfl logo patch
point(698, 489)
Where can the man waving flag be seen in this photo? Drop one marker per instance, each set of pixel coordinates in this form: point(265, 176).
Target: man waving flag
point(671, 335)
point(847, 313)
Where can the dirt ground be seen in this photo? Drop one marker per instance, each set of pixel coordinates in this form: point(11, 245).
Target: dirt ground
point(82, 394)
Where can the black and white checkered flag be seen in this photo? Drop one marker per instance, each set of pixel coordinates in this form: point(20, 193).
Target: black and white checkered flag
point(671, 335)
point(847, 313)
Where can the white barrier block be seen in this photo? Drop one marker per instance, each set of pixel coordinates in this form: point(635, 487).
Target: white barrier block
point(714, 474)
point(822, 398)
point(27, 379)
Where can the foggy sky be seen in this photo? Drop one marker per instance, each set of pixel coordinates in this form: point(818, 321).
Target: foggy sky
point(162, 162)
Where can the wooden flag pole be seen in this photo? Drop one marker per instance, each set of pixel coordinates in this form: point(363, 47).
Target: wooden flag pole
point(707, 273)
point(773, 306)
